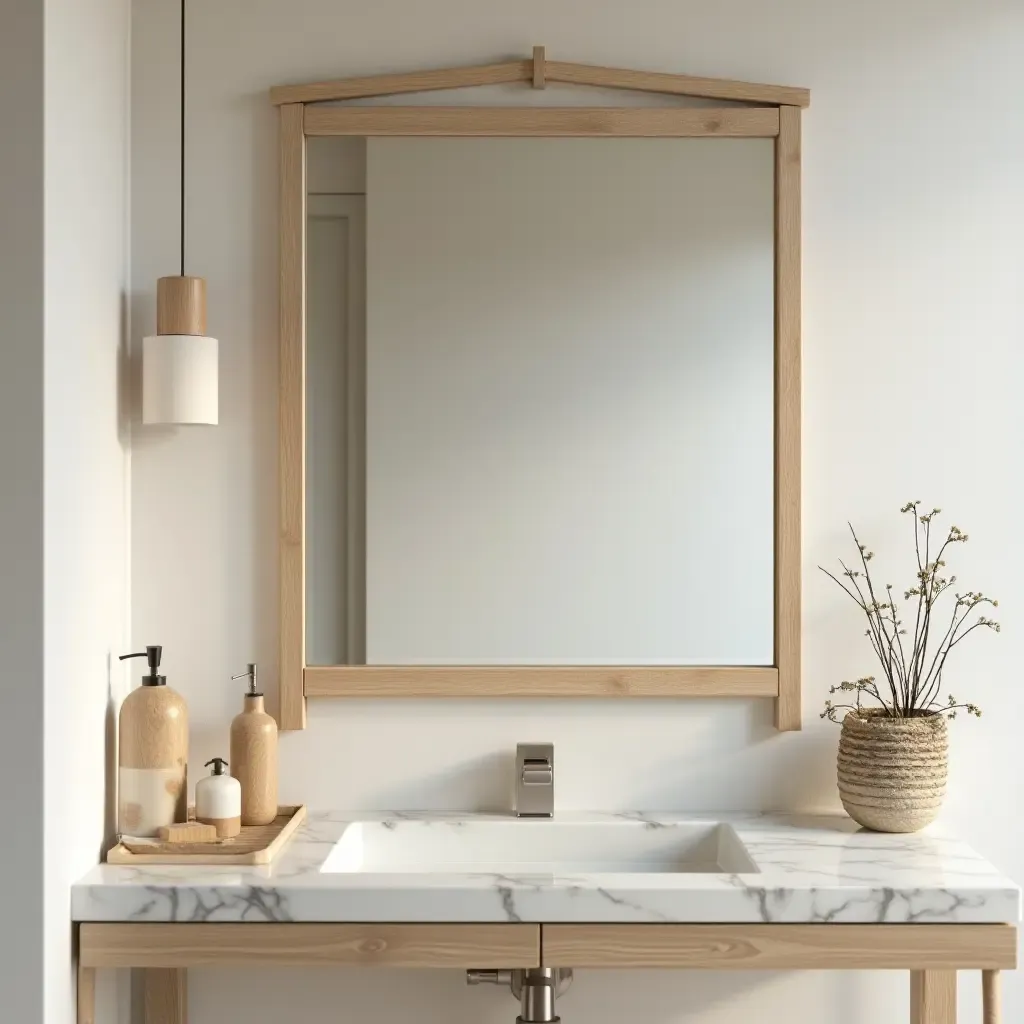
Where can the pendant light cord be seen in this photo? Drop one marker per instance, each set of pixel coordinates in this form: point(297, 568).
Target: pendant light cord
point(182, 175)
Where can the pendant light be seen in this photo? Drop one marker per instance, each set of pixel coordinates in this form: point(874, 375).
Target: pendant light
point(179, 362)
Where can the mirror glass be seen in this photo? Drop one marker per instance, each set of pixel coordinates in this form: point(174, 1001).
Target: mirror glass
point(540, 401)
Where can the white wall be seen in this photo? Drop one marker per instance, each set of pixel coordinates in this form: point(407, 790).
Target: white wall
point(63, 586)
point(569, 377)
point(336, 428)
point(913, 366)
point(86, 436)
point(21, 506)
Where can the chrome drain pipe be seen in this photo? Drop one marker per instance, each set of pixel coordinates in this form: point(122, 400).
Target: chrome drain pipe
point(537, 999)
point(536, 988)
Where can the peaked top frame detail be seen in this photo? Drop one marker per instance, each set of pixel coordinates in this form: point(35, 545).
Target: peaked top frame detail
point(538, 71)
point(747, 110)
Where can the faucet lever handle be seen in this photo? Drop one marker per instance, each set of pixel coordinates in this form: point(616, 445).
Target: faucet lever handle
point(537, 771)
point(535, 780)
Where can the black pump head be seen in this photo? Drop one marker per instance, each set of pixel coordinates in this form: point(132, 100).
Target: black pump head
point(219, 764)
point(152, 656)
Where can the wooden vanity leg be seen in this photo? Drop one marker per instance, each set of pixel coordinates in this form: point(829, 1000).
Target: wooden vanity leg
point(933, 997)
point(990, 997)
point(86, 995)
point(165, 996)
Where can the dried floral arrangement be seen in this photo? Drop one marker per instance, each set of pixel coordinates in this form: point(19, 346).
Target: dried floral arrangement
point(912, 663)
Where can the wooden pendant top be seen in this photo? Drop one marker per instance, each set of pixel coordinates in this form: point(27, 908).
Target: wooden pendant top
point(181, 305)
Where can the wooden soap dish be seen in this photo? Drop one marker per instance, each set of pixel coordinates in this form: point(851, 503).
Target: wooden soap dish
point(256, 844)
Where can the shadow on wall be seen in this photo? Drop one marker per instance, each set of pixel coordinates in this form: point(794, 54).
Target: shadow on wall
point(110, 756)
point(772, 771)
point(483, 784)
point(125, 388)
point(441, 997)
point(260, 294)
point(457, 755)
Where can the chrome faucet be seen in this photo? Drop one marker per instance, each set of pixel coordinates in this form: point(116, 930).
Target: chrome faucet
point(535, 780)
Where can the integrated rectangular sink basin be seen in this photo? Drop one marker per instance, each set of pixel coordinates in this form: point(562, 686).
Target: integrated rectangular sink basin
point(550, 847)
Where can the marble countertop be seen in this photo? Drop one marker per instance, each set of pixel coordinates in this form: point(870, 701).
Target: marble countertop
point(810, 869)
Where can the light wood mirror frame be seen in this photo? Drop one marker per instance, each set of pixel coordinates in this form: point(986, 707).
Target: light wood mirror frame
point(770, 112)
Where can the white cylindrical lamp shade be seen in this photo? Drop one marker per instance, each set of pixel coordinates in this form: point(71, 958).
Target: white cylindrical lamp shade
point(179, 379)
point(179, 362)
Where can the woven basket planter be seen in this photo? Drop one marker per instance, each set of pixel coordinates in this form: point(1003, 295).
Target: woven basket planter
point(892, 771)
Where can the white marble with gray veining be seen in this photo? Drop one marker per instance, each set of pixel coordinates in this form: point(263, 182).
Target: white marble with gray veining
point(810, 869)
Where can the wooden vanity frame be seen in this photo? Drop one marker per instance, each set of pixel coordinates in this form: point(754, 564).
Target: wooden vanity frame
point(932, 953)
point(770, 111)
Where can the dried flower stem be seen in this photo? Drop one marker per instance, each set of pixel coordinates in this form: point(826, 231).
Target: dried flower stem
point(913, 673)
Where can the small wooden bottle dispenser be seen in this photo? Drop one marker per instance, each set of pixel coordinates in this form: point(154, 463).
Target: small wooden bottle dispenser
point(152, 772)
point(219, 801)
point(254, 755)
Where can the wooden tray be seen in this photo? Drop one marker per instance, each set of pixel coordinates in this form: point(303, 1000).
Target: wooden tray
point(256, 844)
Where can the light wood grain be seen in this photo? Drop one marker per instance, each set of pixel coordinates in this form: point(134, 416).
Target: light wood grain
point(413, 81)
point(991, 998)
point(571, 122)
point(165, 996)
point(556, 71)
point(538, 67)
point(679, 85)
point(152, 729)
point(292, 417)
point(187, 832)
point(181, 305)
point(254, 761)
point(225, 828)
point(278, 843)
point(781, 947)
point(310, 945)
point(298, 681)
point(788, 711)
point(933, 997)
point(255, 844)
point(86, 996)
point(540, 681)
point(152, 755)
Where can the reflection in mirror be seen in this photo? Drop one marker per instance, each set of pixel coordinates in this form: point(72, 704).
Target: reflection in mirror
point(335, 429)
point(540, 402)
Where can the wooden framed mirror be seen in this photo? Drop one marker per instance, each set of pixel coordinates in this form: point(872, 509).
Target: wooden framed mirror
point(421, 621)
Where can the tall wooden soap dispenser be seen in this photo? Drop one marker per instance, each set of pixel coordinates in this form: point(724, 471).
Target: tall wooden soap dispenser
point(152, 759)
point(254, 755)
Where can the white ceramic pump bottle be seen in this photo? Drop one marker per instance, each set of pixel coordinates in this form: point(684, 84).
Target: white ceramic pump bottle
point(219, 800)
